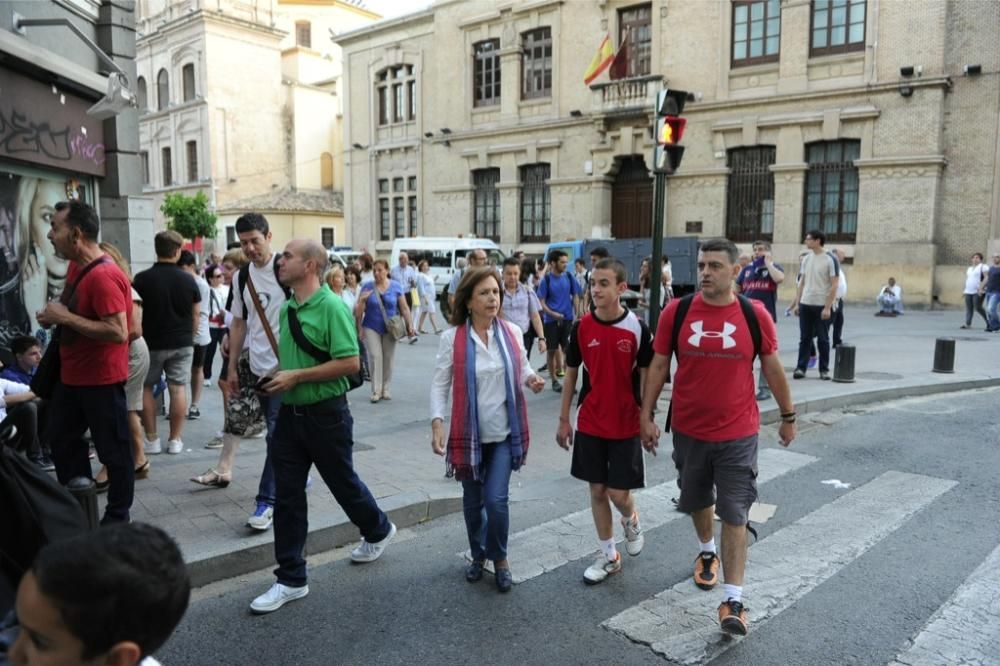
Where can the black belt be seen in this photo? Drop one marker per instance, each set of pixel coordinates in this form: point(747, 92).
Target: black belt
point(322, 407)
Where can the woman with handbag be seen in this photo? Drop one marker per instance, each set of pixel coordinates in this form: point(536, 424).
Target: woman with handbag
point(385, 318)
point(217, 329)
point(483, 363)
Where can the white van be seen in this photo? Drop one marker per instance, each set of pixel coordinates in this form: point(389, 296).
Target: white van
point(443, 254)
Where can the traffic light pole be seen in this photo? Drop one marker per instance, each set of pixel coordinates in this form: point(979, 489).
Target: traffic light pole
point(655, 265)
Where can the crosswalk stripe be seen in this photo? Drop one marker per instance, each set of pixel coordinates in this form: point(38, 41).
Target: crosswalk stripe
point(550, 545)
point(680, 623)
point(966, 627)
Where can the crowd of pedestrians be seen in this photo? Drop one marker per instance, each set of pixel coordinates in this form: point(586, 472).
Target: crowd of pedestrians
point(295, 335)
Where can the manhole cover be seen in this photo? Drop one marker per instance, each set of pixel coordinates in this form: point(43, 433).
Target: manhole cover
point(880, 376)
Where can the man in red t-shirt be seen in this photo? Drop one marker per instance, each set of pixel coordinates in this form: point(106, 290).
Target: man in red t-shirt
point(613, 346)
point(715, 418)
point(92, 316)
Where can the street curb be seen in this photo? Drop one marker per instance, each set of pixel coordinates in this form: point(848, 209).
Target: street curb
point(404, 510)
point(771, 415)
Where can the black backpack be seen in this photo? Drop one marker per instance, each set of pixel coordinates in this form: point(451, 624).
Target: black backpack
point(241, 282)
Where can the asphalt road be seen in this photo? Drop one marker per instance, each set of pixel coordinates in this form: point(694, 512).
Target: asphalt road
point(935, 459)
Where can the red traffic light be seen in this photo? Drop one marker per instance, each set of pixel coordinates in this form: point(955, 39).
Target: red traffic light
point(669, 130)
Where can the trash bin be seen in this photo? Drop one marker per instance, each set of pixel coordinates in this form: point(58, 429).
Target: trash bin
point(944, 355)
point(85, 492)
point(843, 364)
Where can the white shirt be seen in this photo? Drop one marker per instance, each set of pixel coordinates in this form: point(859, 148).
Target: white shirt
point(842, 284)
point(8, 387)
point(404, 276)
point(973, 276)
point(349, 297)
point(491, 391)
point(817, 272)
point(202, 337)
point(272, 297)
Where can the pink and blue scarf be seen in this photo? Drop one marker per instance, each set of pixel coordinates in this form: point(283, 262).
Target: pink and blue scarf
point(465, 451)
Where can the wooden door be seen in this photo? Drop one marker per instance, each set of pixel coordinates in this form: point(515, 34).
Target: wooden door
point(632, 200)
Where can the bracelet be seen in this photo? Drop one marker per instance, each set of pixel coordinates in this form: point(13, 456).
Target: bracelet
point(788, 420)
point(791, 414)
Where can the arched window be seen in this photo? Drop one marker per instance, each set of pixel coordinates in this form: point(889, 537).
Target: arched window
point(140, 93)
point(187, 75)
point(162, 90)
point(326, 171)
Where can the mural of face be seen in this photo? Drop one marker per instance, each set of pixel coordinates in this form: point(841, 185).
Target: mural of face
point(47, 195)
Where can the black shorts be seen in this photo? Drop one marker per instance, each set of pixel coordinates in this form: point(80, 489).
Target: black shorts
point(727, 468)
point(557, 334)
point(617, 463)
point(199, 356)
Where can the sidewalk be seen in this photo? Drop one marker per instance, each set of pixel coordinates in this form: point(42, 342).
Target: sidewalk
point(392, 440)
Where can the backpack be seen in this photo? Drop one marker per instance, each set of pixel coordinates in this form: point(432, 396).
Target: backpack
point(682, 309)
point(244, 275)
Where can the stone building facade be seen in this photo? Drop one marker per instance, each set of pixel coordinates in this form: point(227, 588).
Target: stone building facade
point(857, 117)
point(239, 100)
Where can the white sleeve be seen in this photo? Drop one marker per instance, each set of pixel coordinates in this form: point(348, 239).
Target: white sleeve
point(441, 383)
point(526, 370)
point(236, 308)
point(8, 387)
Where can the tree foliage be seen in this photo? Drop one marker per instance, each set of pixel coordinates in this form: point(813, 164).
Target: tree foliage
point(189, 216)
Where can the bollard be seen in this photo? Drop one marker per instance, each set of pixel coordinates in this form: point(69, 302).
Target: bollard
point(85, 492)
point(944, 355)
point(843, 364)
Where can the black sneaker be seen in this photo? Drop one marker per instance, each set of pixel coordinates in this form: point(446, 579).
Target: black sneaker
point(824, 375)
point(556, 386)
point(798, 374)
point(194, 413)
point(44, 463)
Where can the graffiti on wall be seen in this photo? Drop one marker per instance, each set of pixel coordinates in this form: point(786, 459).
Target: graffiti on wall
point(31, 273)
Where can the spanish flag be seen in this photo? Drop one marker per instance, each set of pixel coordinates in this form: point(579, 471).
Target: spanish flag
point(602, 59)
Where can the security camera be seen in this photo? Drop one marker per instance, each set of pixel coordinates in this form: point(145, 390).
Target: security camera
point(118, 98)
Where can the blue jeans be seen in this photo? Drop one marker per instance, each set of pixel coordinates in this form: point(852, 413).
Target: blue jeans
point(812, 325)
point(270, 405)
point(320, 435)
point(992, 318)
point(485, 505)
point(102, 409)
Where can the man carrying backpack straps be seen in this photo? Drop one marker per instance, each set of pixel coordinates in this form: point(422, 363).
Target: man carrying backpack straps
point(716, 335)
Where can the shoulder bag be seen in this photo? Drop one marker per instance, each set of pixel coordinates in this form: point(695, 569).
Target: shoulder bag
point(262, 315)
point(354, 380)
point(394, 325)
point(48, 372)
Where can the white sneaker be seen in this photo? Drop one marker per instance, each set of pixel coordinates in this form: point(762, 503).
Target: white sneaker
point(369, 552)
point(262, 517)
point(174, 446)
point(601, 569)
point(276, 597)
point(151, 447)
point(208, 382)
point(633, 535)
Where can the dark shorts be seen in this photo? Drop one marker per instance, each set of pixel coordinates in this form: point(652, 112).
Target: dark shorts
point(557, 334)
point(199, 356)
point(727, 468)
point(617, 463)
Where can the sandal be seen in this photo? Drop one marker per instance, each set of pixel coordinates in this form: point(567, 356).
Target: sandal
point(213, 479)
point(142, 471)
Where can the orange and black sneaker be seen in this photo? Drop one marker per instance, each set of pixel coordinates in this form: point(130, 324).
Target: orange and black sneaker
point(706, 570)
point(733, 617)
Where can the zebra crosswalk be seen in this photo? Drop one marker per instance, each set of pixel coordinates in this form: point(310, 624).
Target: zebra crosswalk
point(679, 623)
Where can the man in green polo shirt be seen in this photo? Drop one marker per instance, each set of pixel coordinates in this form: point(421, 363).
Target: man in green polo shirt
point(314, 425)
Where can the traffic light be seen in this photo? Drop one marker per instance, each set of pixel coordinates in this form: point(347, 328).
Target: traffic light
point(669, 130)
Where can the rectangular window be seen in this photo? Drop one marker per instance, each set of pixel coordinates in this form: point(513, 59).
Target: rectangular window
point(192, 160)
point(144, 159)
point(536, 64)
point(399, 216)
point(383, 105)
point(383, 219)
point(303, 34)
point(756, 31)
point(167, 167)
point(411, 183)
point(486, 72)
point(397, 184)
point(832, 189)
point(411, 100)
point(838, 26)
point(383, 185)
point(750, 194)
point(413, 215)
point(327, 237)
point(231, 236)
point(397, 102)
point(635, 28)
point(536, 203)
point(187, 76)
point(486, 203)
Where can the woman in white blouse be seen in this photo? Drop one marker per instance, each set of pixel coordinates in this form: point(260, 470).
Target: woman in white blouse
point(482, 360)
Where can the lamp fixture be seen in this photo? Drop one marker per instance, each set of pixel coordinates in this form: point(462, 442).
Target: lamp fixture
point(429, 135)
point(576, 113)
point(906, 71)
point(906, 90)
point(358, 146)
point(445, 130)
point(973, 70)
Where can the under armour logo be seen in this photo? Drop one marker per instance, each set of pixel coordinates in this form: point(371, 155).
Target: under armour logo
point(726, 334)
